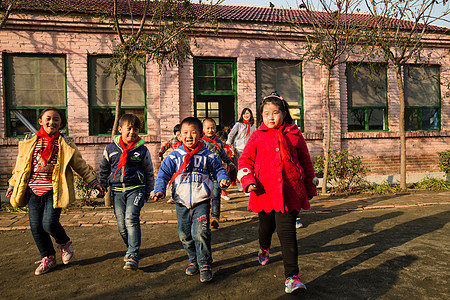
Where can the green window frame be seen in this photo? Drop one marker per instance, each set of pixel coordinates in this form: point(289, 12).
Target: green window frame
point(422, 97)
point(215, 86)
point(33, 82)
point(101, 93)
point(367, 97)
point(285, 77)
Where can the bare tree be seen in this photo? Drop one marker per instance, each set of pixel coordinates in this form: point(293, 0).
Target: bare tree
point(331, 36)
point(9, 6)
point(397, 35)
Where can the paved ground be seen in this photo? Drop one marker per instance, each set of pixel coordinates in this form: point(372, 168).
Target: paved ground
point(360, 247)
point(233, 210)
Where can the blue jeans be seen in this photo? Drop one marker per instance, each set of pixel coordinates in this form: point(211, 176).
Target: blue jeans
point(194, 232)
point(215, 201)
point(127, 208)
point(44, 222)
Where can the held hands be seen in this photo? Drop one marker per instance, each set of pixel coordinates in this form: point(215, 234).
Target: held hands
point(224, 183)
point(9, 191)
point(101, 190)
point(251, 188)
point(158, 196)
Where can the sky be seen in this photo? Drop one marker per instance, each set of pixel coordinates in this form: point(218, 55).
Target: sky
point(293, 3)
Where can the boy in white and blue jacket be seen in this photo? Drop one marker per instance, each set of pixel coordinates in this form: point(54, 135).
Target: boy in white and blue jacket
point(190, 169)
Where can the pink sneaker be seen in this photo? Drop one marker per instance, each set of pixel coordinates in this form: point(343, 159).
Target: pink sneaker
point(263, 256)
point(66, 252)
point(294, 285)
point(45, 265)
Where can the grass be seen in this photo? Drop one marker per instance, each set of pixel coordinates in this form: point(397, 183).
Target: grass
point(8, 208)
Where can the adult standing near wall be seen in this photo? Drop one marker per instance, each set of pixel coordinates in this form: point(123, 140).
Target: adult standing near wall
point(239, 135)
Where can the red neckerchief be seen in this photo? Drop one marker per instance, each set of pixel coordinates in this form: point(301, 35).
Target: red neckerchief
point(123, 156)
point(248, 127)
point(212, 141)
point(47, 152)
point(283, 146)
point(187, 159)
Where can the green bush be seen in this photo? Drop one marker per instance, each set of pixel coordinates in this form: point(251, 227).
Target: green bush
point(8, 208)
point(444, 161)
point(385, 188)
point(84, 191)
point(345, 173)
point(434, 184)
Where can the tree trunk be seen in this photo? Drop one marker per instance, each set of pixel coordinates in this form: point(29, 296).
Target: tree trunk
point(328, 134)
point(118, 100)
point(401, 124)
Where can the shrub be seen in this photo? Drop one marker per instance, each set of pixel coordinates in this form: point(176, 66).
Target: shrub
point(434, 184)
point(444, 161)
point(345, 173)
point(84, 191)
point(385, 188)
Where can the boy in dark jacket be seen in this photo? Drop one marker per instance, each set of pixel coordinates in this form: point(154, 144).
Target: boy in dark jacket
point(127, 167)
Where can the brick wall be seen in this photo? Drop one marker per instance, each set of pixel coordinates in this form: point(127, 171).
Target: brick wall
point(170, 93)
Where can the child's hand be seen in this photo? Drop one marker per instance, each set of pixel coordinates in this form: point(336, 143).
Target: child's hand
point(224, 183)
point(161, 158)
point(251, 188)
point(101, 190)
point(158, 196)
point(9, 191)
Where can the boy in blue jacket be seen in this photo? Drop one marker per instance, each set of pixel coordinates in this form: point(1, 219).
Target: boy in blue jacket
point(127, 167)
point(191, 167)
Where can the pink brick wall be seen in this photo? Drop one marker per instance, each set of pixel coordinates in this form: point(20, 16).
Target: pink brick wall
point(170, 93)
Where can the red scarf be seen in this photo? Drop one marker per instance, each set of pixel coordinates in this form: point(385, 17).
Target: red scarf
point(187, 159)
point(284, 151)
point(248, 127)
point(46, 154)
point(123, 156)
point(212, 141)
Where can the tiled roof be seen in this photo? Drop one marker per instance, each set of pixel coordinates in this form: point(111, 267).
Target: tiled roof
point(221, 12)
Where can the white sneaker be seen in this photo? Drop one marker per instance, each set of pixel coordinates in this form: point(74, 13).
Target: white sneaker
point(225, 197)
point(298, 223)
point(171, 201)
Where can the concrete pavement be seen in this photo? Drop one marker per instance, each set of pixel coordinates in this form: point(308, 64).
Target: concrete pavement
point(234, 209)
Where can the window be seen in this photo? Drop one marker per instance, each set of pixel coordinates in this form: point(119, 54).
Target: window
point(215, 89)
point(422, 97)
point(285, 77)
point(102, 91)
point(367, 97)
point(32, 83)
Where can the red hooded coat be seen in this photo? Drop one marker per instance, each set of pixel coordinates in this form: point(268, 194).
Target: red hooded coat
point(283, 186)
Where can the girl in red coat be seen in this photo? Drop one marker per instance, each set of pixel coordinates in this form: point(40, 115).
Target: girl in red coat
point(277, 169)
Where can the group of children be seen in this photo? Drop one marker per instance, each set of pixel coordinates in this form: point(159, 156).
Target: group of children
point(274, 168)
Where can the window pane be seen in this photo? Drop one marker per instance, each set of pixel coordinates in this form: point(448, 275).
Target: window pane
point(295, 113)
point(223, 84)
point(281, 76)
point(412, 118)
point(430, 118)
point(206, 84)
point(224, 70)
point(102, 120)
point(376, 117)
point(201, 105)
point(37, 81)
point(366, 85)
point(356, 120)
point(104, 86)
point(205, 69)
point(213, 105)
point(17, 127)
point(422, 85)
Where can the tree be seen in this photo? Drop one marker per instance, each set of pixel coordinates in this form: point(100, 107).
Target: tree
point(397, 34)
point(9, 7)
point(330, 38)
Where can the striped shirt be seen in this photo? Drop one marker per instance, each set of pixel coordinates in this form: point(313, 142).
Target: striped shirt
point(41, 175)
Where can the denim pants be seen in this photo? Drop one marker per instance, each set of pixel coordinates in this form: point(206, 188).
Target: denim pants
point(284, 224)
point(127, 208)
point(215, 201)
point(194, 232)
point(44, 222)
